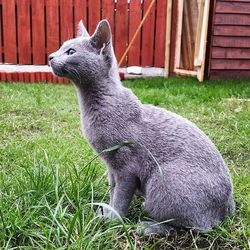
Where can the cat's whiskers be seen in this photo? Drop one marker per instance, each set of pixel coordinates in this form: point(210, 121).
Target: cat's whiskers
point(76, 74)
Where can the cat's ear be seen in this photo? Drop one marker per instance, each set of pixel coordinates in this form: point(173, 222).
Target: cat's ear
point(81, 31)
point(101, 38)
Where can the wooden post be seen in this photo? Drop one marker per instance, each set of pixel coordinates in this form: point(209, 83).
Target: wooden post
point(203, 42)
point(197, 61)
point(178, 35)
point(168, 37)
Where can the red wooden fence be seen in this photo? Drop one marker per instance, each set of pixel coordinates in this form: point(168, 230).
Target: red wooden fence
point(32, 29)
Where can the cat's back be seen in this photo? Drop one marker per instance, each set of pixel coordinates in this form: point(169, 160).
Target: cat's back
point(169, 123)
point(179, 138)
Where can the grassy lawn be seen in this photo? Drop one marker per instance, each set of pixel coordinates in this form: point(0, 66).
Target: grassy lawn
point(47, 187)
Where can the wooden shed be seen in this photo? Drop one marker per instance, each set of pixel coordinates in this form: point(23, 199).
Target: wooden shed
point(228, 50)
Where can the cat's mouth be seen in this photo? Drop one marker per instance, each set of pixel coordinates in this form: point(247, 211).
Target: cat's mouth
point(59, 71)
point(64, 71)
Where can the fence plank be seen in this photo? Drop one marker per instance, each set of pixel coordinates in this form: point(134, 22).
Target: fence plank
point(9, 77)
point(160, 33)
point(38, 32)
point(173, 37)
point(49, 77)
point(52, 18)
point(147, 53)
point(121, 29)
point(80, 10)
point(9, 31)
point(20, 76)
point(32, 77)
point(14, 77)
point(23, 32)
point(94, 15)
point(43, 76)
point(26, 77)
point(3, 77)
point(1, 58)
point(108, 8)
point(135, 15)
point(66, 18)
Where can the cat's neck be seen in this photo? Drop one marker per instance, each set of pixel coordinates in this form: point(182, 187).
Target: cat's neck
point(96, 93)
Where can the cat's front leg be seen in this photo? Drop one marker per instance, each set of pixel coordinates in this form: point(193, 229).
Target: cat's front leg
point(121, 194)
point(111, 179)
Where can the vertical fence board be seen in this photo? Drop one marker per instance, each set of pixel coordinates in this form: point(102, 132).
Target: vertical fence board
point(80, 10)
point(37, 77)
point(173, 37)
point(121, 29)
point(9, 31)
point(1, 51)
point(49, 77)
point(66, 18)
point(43, 76)
point(147, 53)
point(20, 76)
point(26, 76)
point(52, 23)
point(135, 15)
point(9, 77)
point(94, 15)
point(160, 33)
point(108, 8)
point(3, 76)
point(14, 77)
point(32, 77)
point(23, 32)
point(38, 32)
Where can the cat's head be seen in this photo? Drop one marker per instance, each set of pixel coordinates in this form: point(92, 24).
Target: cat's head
point(85, 58)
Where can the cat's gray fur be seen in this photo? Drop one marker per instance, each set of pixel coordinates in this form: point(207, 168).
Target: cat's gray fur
point(194, 189)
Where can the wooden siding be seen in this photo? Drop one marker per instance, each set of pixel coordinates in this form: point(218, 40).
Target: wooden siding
point(230, 41)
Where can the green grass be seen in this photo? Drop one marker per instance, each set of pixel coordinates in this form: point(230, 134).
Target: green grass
point(47, 191)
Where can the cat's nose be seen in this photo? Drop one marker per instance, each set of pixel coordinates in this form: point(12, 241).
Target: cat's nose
point(50, 57)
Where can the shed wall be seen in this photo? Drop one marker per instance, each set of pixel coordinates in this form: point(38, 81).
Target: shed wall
point(230, 41)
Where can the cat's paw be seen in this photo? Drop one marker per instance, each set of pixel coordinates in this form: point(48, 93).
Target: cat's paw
point(152, 227)
point(108, 214)
point(111, 216)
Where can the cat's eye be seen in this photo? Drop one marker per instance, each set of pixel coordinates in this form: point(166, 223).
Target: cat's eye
point(70, 52)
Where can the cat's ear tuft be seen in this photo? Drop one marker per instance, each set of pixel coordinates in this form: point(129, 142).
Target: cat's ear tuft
point(102, 35)
point(82, 32)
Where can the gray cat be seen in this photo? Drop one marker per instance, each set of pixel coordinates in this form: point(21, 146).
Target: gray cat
point(172, 163)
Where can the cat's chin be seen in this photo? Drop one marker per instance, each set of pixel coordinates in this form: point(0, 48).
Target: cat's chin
point(60, 73)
